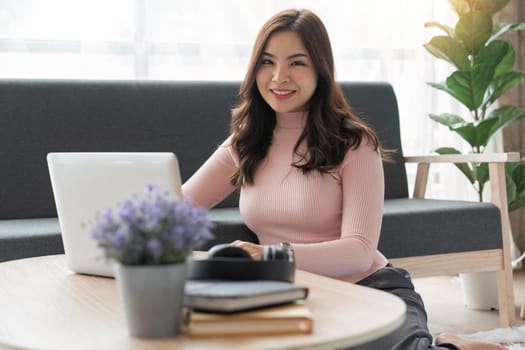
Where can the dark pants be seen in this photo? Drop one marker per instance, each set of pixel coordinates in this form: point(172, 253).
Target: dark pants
point(413, 334)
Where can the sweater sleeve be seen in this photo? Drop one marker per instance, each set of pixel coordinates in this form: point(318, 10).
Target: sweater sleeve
point(355, 253)
point(210, 184)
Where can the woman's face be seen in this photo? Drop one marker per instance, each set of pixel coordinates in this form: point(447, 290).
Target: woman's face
point(286, 78)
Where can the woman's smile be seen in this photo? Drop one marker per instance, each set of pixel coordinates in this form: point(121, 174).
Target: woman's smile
point(281, 94)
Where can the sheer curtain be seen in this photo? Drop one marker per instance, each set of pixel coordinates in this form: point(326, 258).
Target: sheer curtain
point(374, 40)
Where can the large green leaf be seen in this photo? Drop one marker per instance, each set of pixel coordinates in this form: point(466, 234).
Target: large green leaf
point(467, 133)
point(476, 135)
point(518, 176)
point(474, 29)
point(490, 6)
point(450, 50)
point(444, 87)
point(501, 28)
point(505, 115)
point(499, 54)
point(515, 174)
point(468, 86)
point(441, 86)
point(447, 29)
point(448, 119)
point(498, 86)
point(483, 132)
point(516, 171)
point(477, 87)
point(463, 167)
point(457, 124)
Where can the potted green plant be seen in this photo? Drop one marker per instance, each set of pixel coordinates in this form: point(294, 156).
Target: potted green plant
point(149, 238)
point(483, 72)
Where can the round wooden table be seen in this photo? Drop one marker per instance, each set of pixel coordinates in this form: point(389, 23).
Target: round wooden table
point(44, 305)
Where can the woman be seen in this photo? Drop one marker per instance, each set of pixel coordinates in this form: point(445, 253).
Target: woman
point(310, 171)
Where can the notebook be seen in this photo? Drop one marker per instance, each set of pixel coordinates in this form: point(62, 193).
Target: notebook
point(224, 296)
point(85, 184)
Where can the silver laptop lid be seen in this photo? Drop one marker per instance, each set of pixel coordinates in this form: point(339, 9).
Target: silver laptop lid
point(85, 184)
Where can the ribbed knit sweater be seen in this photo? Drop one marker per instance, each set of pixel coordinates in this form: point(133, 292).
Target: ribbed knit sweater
point(332, 220)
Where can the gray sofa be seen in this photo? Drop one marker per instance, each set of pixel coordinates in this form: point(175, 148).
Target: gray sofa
point(191, 119)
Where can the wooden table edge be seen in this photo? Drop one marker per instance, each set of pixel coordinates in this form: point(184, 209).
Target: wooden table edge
point(303, 276)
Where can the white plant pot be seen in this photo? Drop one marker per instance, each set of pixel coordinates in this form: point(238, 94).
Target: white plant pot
point(480, 290)
point(152, 296)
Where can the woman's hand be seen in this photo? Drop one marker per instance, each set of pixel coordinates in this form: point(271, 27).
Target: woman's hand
point(255, 250)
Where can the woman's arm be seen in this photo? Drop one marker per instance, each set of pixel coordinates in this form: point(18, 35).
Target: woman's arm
point(362, 184)
point(210, 184)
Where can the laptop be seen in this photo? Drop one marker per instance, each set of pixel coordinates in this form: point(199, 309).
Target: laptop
point(85, 184)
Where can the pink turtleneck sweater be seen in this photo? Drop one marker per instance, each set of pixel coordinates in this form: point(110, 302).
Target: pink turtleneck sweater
point(332, 220)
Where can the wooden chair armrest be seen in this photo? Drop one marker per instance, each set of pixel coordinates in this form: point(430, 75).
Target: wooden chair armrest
point(495, 159)
point(466, 158)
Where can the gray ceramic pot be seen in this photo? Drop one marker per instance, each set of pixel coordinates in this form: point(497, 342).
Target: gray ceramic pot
point(152, 296)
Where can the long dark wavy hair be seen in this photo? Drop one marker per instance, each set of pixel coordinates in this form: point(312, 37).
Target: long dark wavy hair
point(331, 127)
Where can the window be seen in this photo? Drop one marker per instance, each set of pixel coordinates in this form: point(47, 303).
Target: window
point(374, 40)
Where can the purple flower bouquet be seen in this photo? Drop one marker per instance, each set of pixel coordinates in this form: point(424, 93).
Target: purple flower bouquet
point(151, 229)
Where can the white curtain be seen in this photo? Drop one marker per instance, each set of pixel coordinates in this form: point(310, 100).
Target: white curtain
point(373, 40)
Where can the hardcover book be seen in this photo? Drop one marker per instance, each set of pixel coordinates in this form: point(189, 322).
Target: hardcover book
point(283, 319)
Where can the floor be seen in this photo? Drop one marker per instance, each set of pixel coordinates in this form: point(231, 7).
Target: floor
point(446, 310)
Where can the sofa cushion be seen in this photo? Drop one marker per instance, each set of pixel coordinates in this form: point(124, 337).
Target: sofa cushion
point(411, 227)
point(29, 237)
point(415, 227)
point(22, 238)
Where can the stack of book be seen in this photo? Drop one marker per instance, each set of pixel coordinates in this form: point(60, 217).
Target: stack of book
point(246, 307)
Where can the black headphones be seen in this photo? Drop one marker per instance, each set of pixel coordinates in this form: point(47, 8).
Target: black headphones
point(234, 263)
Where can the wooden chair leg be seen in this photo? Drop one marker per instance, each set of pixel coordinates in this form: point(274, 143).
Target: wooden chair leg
point(522, 314)
point(498, 191)
point(507, 312)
